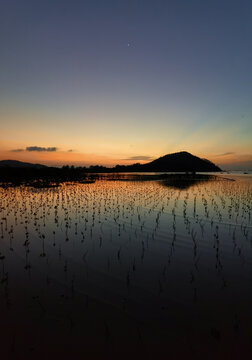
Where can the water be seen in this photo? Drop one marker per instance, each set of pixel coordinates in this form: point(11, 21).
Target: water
point(116, 268)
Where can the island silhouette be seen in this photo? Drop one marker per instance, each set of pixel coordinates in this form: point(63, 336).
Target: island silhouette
point(17, 172)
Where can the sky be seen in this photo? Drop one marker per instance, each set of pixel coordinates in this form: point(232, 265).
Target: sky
point(120, 82)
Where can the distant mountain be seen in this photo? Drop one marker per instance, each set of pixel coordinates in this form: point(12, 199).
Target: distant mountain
point(177, 162)
point(20, 164)
point(180, 161)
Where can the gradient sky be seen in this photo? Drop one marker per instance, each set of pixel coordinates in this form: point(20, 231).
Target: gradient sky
point(106, 82)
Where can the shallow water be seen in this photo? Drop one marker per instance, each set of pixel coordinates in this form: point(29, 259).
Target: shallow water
point(121, 267)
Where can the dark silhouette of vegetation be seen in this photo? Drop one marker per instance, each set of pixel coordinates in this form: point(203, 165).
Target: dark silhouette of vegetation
point(42, 177)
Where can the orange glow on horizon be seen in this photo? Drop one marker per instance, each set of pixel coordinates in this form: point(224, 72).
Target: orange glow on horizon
point(60, 158)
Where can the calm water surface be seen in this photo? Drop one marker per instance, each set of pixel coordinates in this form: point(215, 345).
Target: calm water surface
point(123, 268)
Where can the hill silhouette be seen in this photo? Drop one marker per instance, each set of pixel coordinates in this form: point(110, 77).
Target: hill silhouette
point(20, 164)
point(181, 162)
point(177, 162)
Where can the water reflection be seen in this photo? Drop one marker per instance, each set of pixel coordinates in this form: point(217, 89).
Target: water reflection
point(184, 182)
point(112, 267)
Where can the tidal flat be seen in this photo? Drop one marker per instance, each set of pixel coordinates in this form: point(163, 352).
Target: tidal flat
point(127, 267)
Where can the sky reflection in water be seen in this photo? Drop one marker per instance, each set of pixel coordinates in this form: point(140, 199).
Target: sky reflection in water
point(121, 266)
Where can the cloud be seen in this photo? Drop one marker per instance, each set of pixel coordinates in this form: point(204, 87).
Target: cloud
point(70, 150)
point(17, 150)
point(226, 153)
point(40, 149)
point(141, 157)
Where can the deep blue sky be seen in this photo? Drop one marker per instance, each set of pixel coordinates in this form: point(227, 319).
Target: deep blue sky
point(123, 79)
